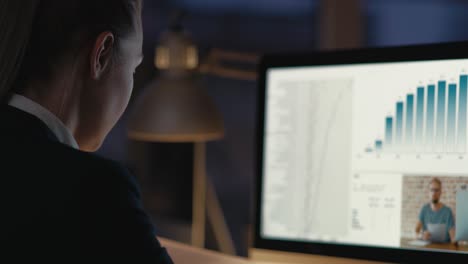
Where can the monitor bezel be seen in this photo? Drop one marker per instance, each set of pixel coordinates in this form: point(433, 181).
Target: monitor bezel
point(421, 52)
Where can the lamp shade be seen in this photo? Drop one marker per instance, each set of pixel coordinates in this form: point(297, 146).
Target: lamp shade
point(175, 108)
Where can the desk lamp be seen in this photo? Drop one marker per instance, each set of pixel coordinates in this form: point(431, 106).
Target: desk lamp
point(175, 108)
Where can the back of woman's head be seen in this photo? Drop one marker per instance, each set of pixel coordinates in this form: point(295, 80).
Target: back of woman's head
point(15, 25)
point(38, 37)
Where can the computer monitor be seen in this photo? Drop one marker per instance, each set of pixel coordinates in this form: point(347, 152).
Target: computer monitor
point(358, 149)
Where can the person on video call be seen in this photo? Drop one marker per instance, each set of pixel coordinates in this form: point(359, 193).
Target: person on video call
point(66, 76)
point(435, 212)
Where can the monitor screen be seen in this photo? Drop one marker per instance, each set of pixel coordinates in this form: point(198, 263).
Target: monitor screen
point(364, 151)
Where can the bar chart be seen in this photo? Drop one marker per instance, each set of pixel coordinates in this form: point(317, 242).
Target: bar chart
point(431, 119)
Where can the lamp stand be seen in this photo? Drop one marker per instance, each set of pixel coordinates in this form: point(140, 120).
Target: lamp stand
point(199, 195)
point(203, 189)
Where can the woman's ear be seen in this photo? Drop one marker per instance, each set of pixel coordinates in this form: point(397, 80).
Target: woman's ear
point(101, 54)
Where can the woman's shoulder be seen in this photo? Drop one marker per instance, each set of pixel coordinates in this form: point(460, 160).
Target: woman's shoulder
point(87, 166)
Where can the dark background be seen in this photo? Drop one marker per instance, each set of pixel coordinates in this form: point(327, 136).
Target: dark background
point(258, 27)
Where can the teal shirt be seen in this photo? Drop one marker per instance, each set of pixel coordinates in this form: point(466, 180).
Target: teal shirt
point(443, 216)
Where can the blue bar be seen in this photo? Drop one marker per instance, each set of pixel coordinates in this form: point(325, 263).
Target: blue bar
point(430, 114)
point(389, 130)
point(409, 118)
point(399, 123)
point(440, 131)
point(419, 115)
point(462, 113)
point(378, 145)
point(451, 115)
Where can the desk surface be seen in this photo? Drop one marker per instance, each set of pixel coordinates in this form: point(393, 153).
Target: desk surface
point(182, 253)
point(405, 242)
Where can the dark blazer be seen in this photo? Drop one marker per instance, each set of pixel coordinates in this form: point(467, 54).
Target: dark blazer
point(59, 203)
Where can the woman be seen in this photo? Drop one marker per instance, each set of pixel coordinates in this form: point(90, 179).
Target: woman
point(66, 76)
